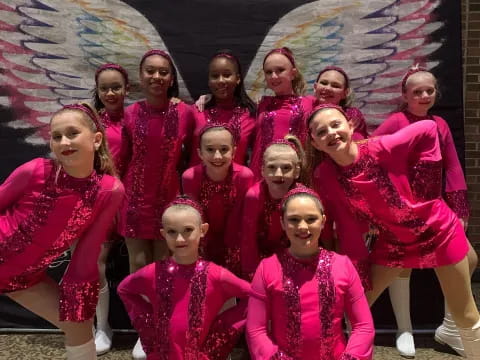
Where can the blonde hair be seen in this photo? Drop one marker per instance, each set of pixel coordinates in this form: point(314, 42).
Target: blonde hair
point(290, 142)
point(102, 163)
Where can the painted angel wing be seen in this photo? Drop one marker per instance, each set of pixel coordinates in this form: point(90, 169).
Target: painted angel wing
point(50, 49)
point(375, 41)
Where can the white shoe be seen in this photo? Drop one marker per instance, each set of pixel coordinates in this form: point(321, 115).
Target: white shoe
point(103, 340)
point(138, 353)
point(450, 337)
point(405, 344)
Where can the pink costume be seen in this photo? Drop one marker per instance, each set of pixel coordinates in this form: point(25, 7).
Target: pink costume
point(240, 120)
point(455, 189)
point(44, 212)
point(222, 203)
point(395, 184)
point(277, 117)
point(113, 124)
point(350, 231)
point(261, 234)
point(305, 301)
point(154, 138)
point(175, 309)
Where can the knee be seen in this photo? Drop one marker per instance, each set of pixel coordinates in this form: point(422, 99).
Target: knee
point(472, 259)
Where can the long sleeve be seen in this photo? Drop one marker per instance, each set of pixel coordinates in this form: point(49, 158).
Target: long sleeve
point(389, 126)
point(360, 342)
point(79, 286)
point(249, 254)
point(191, 181)
point(15, 185)
point(260, 345)
point(358, 120)
point(455, 186)
point(134, 291)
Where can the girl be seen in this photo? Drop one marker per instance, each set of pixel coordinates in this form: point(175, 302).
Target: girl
point(333, 87)
point(48, 206)
point(261, 234)
point(219, 185)
point(155, 131)
point(229, 104)
point(394, 183)
point(299, 296)
point(419, 91)
point(167, 300)
point(111, 86)
point(286, 111)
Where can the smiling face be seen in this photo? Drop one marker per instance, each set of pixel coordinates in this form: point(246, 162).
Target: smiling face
point(330, 88)
point(279, 74)
point(330, 131)
point(182, 230)
point(111, 90)
point(73, 142)
point(420, 92)
point(303, 222)
point(216, 150)
point(223, 78)
point(281, 168)
point(156, 76)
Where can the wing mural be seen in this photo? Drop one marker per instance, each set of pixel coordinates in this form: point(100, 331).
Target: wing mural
point(49, 50)
point(375, 42)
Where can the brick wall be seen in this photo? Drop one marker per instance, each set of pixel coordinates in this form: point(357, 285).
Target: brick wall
point(471, 90)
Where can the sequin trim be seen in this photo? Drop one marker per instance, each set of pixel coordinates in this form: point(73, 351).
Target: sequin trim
point(110, 119)
point(402, 213)
point(166, 271)
point(346, 356)
point(166, 171)
point(280, 355)
point(326, 297)
point(363, 268)
point(235, 122)
point(196, 309)
point(78, 300)
point(232, 260)
point(147, 331)
point(425, 179)
point(272, 105)
point(220, 341)
point(458, 202)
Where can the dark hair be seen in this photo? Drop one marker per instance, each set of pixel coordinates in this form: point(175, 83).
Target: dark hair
point(172, 90)
point(239, 94)
point(97, 103)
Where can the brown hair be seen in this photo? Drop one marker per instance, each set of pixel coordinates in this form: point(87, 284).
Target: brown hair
point(103, 162)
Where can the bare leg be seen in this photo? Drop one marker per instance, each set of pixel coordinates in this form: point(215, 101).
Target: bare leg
point(140, 253)
point(382, 277)
point(42, 299)
point(160, 250)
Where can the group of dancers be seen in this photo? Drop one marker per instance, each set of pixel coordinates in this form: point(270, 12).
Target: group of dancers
point(231, 226)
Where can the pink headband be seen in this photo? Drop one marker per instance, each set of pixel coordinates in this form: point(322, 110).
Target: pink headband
point(298, 189)
point(228, 56)
point(284, 51)
point(338, 69)
point(111, 66)
point(156, 52)
point(410, 72)
point(226, 126)
point(285, 142)
point(185, 200)
point(87, 110)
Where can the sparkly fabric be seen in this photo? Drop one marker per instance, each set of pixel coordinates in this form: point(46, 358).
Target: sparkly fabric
point(220, 341)
point(326, 297)
point(453, 176)
point(232, 260)
point(196, 309)
point(346, 356)
point(209, 188)
point(78, 301)
point(364, 268)
point(280, 355)
point(278, 116)
point(425, 179)
point(270, 211)
point(458, 202)
point(212, 116)
point(151, 128)
point(146, 327)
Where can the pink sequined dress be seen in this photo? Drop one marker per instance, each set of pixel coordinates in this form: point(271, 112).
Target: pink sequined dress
point(238, 118)
point(277, 117)
point(113, 123)
point(43, 212)
point(261, 234)
point(395, 184)
point(175, 309)
point(455, 188)
point(222, 202)
point(154, 138)
point(297, 306)
point(351, 232)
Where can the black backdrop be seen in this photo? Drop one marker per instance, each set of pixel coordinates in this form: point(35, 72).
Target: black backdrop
point(192, 31)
